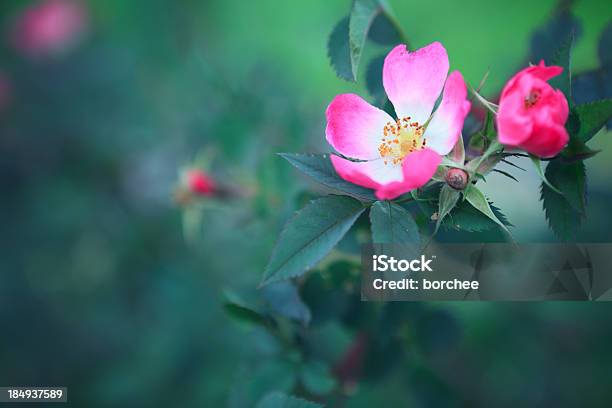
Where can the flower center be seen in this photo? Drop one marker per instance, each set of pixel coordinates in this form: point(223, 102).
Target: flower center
point(400, 139)
point(532, 98)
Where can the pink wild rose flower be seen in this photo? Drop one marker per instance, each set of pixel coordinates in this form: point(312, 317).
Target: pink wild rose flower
point(49, 27)
point(400, 155)
point(532, 114)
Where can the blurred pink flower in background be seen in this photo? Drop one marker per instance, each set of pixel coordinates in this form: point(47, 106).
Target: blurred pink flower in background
point(195, 183)
point(200, 183)
point(532, 114)
point(49, 27)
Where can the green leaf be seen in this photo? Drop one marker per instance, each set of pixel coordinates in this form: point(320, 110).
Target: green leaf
point(480, 140)
point(243, 314)
point(347, 40)
point(577, 150)
point(385, 30)
point(477, 143)
point(310, 235)
point(363, 14)
point(283, 299)
point(319, 167)
point(475, 197)
point(317, 378)
point(591, 118)
point(448, 162)
point(562, 218)
point(374, 80)
point(238, 309)
point(338, 50)
point(447, 201)
point(538, 166)
point(487, 161)
point(488, 129)
point(566, 212)
point(605, 45)
point(484, 166)
point(571, 180)
point(463, 216)
point(466, 218)
point(327, 301)
point(575, 189)
point(279, 400)
point(438, 176)
point(392, 224)
point(563, 58)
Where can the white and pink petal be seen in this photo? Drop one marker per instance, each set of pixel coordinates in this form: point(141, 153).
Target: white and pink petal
point(417, 168)
point(354, 127)
point(390, 181)
point(444, 129)
point(413, 80)
point(371, 174)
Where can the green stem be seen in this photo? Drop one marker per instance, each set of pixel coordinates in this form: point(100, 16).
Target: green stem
point(495, 145)
point(489, 105)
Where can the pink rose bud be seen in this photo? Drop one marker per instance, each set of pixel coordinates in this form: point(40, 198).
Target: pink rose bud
point(49, 27)
point(456, 178)
point(200, 183)
point(532, 114)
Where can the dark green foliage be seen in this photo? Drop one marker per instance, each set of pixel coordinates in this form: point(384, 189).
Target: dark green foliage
point(463, 217)
point(563, 58)
point(317, 378)
point(363, 14)
point(467, 218)
point(243, 314)
point(101, 292)
point(367, 19)
point(546, 40)
point(596, 84)
point(310, 235)
point(477, 199)
point(384, 30)
point(319, 167)
point(338, 50)
point(392, 223)
point(591, 117)
point(283, 299)
point(280, 400)
point(565, 213)
point(374, 81)
point(446, 203)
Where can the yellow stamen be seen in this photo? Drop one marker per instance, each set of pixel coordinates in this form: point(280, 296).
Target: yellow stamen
point(408, 137)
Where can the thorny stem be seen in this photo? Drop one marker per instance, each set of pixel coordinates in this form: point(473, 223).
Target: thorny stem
point(483, 80)
point(515, 154)
point(489, 105)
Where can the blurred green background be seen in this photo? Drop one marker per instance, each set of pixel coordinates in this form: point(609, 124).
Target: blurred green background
point(110, 288)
